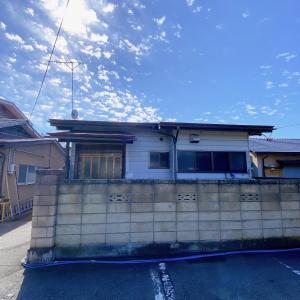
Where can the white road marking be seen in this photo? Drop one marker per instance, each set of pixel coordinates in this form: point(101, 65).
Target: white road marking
point(163, 286)
point(297, 272)
point(167, 283)
point(158, 289)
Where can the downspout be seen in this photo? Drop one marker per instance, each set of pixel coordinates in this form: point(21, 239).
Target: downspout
point(2, 157)
point(174, 139)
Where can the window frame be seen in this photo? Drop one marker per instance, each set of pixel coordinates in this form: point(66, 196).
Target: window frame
point(160, 167)
point(26, 182)
point(245, 171)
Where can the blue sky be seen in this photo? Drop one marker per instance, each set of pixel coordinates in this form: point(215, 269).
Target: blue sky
point(185, 60)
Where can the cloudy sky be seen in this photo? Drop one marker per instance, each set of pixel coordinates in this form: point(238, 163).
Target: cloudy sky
point(185, 60)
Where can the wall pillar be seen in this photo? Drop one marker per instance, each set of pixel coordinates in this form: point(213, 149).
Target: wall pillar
point(44, 216)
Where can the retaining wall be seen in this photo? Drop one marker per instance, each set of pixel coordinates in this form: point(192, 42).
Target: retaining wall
point(116, 218)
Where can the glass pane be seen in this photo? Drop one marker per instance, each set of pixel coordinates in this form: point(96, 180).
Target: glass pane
point(203, 161)
point(22, 174)
point(186, 160)
point(164, 160)
point(237, 162)
point(95, 167)
point(220, 162)
point(87, 167)
point(154, 160)
point(102, 168)
point(110, 167)
point(31, 174)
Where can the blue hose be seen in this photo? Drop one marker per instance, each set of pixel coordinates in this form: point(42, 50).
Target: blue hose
point(151, 260)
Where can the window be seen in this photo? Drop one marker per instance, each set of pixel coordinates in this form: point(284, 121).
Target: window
point(203, 161)
point(187, 161)
point(191, 161)
point(27, 174)
point(220, 162)
point(159, 160)
point(237, 162)
point(216, 162)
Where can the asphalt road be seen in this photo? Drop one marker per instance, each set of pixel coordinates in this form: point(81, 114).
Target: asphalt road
point(263, 276)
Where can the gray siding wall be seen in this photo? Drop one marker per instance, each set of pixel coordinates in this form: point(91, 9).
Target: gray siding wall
point(137, 154)
point(215, 141)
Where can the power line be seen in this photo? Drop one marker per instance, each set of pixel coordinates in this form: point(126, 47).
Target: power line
point(48, 64)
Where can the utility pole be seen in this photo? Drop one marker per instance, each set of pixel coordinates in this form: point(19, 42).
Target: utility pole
point(72, 65)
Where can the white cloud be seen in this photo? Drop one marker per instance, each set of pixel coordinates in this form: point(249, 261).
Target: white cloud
point(136, 27)
point(197, 9)
point(29, 11)
point(268, 110)
point(27, 47)
point(286, 55)
point(40, 47)
point(269, 84)
point(78, 17)
point(245, 15)
point(284, 85)
point(177, 31)
point(99, 38)
point(160, 21)
point(109, 8)
point(265, 67)
point(55, 81)
point(2, 26)
point(190, 2)
point(14, 37)
point(250, 109)
point(107, 54)
point(219, 26)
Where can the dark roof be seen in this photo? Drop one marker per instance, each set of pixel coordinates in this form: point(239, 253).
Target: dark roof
point(274, 145)
point(93, 136)
point(82, 125)
point(18, 114)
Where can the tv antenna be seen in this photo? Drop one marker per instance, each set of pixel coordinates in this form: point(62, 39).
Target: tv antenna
point(72, 65)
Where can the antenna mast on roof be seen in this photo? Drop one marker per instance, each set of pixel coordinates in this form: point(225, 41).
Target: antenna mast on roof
point(72, 65)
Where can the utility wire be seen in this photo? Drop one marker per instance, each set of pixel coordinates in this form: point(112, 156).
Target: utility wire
point(48, 64)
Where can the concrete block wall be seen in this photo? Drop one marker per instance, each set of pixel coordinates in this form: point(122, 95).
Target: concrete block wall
point(44, 209)
point(106, 213)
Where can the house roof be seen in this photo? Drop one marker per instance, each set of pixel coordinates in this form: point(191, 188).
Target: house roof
point(18, 115)
point(83, 125)
point(274, 145)
point(5, 123)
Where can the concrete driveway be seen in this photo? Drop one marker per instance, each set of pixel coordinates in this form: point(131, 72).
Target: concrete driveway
point(263, 276)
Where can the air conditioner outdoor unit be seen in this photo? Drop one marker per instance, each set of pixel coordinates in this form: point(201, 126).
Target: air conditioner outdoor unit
point(194, 138)
point(11, 169)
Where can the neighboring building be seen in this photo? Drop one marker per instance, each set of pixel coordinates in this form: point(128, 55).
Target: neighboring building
point(22, 151)
point(275, 157)
point(163, 150)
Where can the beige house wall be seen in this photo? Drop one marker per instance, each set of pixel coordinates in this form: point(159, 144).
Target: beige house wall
point(270, 161)
point(40, 155)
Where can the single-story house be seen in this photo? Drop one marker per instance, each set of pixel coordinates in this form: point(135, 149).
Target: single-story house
point(22, 151)
point(275, 157)
point(160, 150)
